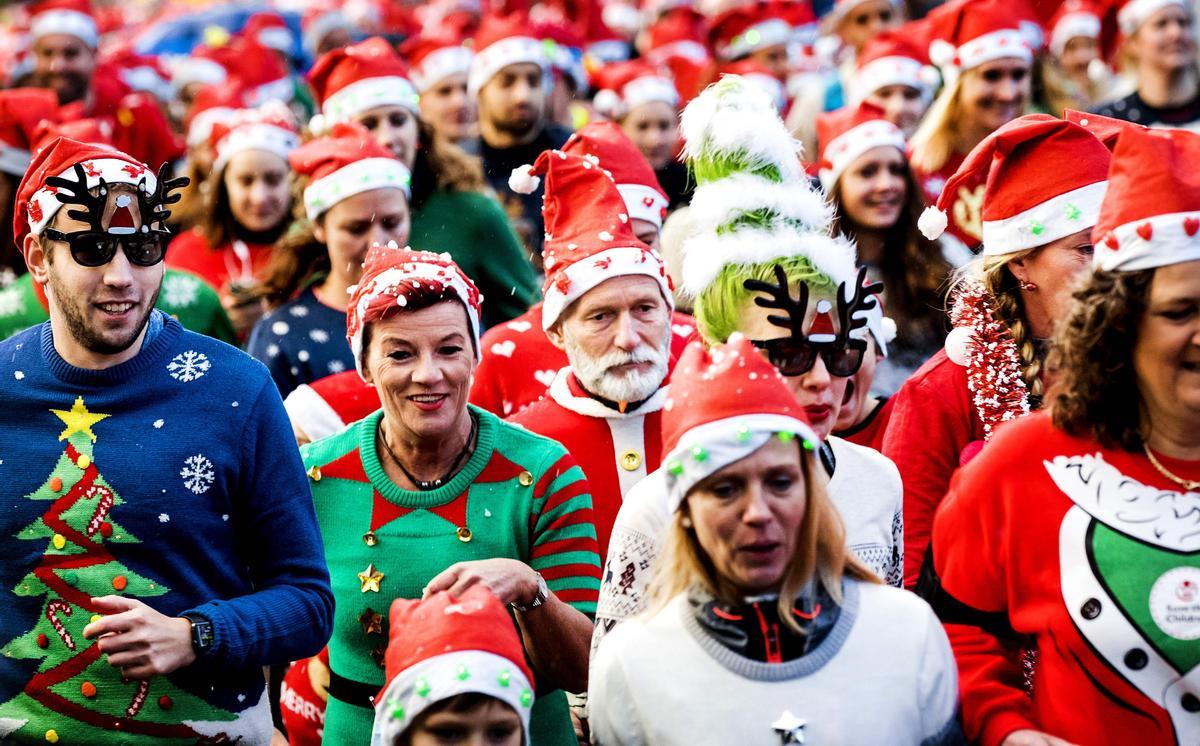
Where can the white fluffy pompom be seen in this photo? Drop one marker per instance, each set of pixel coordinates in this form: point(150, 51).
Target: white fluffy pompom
point(317, 125)
point(608, 102)
point(958, 345)
point(521, 182)
point(932, 223)
point(941, 53)
point(888, 330)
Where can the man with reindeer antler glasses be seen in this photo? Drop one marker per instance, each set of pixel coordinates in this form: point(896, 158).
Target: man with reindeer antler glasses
point(158, 546)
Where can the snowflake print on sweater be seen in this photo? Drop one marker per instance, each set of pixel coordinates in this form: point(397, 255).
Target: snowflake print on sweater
point(180, 289)
point(188, 366)
point(301, 341)
point(198, 474)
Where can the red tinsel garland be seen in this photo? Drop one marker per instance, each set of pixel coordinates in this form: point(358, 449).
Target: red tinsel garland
point(993, 366)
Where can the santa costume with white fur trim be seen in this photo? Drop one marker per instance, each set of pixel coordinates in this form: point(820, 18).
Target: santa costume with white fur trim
point(1089, 551)
point(1043, 179)
point(590, 241)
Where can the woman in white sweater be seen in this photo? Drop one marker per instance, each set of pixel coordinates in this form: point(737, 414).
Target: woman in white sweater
point(763, 628)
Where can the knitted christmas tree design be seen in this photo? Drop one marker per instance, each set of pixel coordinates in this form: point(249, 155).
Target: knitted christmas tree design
point(75, 695)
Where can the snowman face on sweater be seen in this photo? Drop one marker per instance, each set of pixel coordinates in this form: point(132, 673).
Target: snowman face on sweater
point(98, 314)
point(747, 516)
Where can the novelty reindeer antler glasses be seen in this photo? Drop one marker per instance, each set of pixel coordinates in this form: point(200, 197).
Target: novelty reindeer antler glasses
point(796, 354)
point(96, 246)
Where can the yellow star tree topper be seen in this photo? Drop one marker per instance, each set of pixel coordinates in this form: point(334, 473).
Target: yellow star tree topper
point(78, 420)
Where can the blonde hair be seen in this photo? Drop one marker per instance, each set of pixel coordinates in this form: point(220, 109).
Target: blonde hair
point(820, 552)
point(938, 137)
point(1003, 286)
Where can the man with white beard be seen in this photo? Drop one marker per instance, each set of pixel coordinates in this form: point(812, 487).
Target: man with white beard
point(608, 305)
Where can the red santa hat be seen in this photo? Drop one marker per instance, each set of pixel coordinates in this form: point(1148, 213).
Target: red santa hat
point(1106, 129)
point(22, 110)
point(639, 187)
point(434, 58)
point(1134, 13)
point(588, 235)
point(350, 80)
point(622, 86)
point(745, 29)
point(757, 75)
point(849, 132)
point(1045, 179)
point(682, 32)
point(270, 30)
point(1151, 214)
point(1073, 19)
point(724, 403)
point(503, 41)
point(213, 104)
point(319, 21)
point(328, 404)
point(270, 128)
point(892, 58)
point(442, 646)
point(393, 276)
point(970, 33)
point(343, 163)
point(97, 130)
point(263, 74)
point(202, 66)
point(37, 203)
point(69, 17)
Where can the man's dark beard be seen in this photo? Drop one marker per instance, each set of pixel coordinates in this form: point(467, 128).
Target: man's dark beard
point(517, 129)
point(73, 86)
point(84, 335)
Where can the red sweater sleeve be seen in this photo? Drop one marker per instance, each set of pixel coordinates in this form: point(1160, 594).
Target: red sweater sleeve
point(932, 420)
point(972, 537)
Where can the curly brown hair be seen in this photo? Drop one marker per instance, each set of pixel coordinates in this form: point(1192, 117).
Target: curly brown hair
point(914, 270)
point(1095, 386)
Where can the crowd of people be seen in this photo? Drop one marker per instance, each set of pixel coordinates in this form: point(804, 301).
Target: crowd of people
point(600, 372)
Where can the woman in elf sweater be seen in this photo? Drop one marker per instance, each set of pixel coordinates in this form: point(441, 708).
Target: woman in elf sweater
point(355, 194)
point(368, 83)
point(1074, 532)
point(1043, 180)
point(430, 494)
point(757, 596)
point(247, 208)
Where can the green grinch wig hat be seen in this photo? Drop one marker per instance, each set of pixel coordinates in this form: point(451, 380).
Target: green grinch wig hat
point(753, 203)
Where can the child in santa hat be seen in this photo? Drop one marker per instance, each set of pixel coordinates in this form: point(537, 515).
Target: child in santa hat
point(454, 665)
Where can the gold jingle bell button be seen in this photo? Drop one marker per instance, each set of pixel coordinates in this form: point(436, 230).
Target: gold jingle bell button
point(525, 479)
point(631, 460)
point(370, 539)
point(464, 534)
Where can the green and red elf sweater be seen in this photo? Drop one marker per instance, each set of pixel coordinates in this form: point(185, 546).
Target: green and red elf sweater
point(520, 496)
point(1088, 557)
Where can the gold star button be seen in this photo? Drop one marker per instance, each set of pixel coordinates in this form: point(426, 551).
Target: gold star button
point(631, 460)
point(371, 621)
point(315, 474)
point(370, 578)
point(525, 479)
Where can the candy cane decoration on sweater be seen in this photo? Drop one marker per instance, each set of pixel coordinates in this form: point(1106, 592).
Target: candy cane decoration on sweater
point(52, 610)
point(105, 505)
point(139, 698)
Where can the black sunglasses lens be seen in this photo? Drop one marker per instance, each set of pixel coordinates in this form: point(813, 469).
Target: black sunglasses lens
point(92, 250)
point(144, 250)
point(843, 361)
point(792, 358)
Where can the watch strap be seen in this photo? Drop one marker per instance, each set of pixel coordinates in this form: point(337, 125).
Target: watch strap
point(543, 592)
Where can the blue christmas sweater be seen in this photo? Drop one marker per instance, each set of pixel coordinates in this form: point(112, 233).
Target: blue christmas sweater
point(301, 341)
point(172, 479)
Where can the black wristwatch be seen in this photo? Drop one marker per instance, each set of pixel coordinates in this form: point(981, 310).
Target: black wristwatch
point(202, 634)
point(543, 592)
